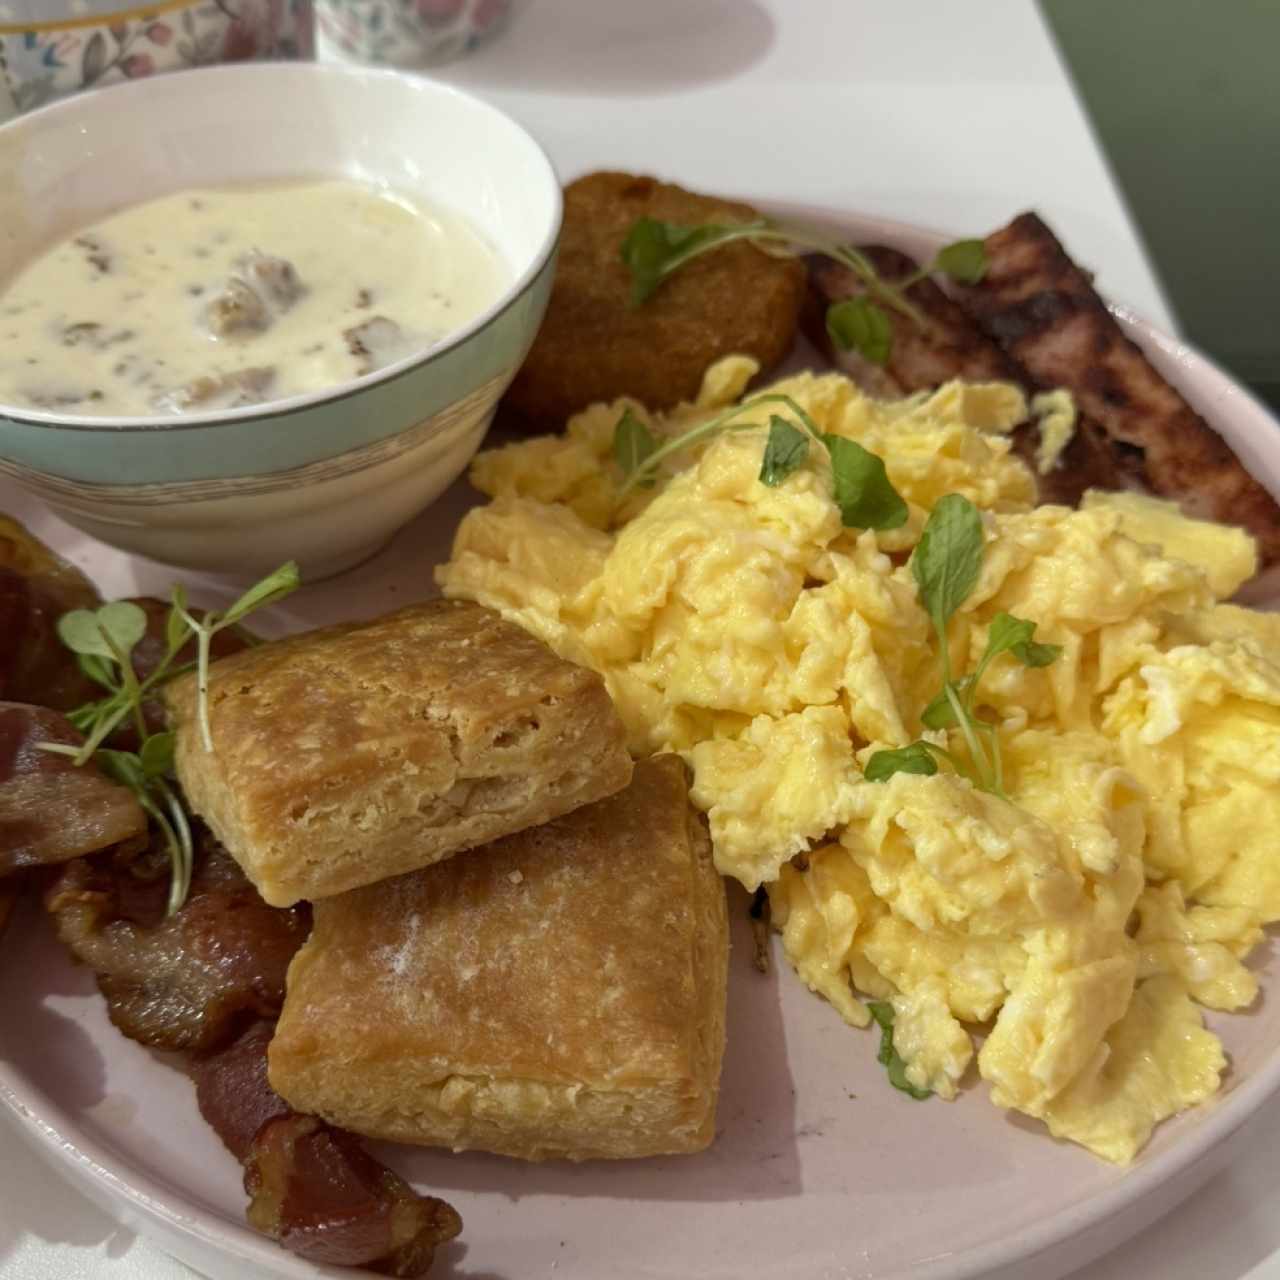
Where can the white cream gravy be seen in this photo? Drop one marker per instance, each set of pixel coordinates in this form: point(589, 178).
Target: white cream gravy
point(214, 298)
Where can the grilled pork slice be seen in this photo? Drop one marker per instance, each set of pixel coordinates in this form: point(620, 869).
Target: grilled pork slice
point(952, 346)
point(1042, 310)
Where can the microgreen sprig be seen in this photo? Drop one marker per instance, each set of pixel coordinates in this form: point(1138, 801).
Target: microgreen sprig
point(862, 489)
point(103, 641)
point(946, 565)
point(654, 250)
point(284, 581)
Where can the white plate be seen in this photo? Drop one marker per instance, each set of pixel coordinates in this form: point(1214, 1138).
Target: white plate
point(820, 1169)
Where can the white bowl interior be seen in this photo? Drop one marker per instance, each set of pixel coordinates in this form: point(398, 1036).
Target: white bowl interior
point(73, 163)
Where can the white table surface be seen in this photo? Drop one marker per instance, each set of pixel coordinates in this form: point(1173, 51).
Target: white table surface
point(952, 116)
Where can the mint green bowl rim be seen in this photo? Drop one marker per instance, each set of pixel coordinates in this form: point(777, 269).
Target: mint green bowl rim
point(287, 405)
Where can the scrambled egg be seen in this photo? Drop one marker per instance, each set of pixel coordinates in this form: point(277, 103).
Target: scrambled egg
point(1062, 939)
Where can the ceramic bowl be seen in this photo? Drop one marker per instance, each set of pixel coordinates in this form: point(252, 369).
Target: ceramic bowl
point(51, 48)
point(406, 33)
point(324, 478)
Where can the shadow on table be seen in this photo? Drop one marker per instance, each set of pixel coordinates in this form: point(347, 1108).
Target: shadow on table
point(589, 47)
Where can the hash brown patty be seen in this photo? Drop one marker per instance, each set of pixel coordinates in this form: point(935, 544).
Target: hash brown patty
point(595, 346)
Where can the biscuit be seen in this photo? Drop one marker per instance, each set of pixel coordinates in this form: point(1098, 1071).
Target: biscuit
point(557, 994)
point(351, 754)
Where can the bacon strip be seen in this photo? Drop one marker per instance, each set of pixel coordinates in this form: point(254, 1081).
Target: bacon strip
point(36, 588)
point(951, 347)
point(1043, 311)
point(314, 1188)
point(186, 981)
point(190, 982)
point(50, 809)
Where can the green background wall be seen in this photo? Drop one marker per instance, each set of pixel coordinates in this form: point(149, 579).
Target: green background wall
point(1185, 98)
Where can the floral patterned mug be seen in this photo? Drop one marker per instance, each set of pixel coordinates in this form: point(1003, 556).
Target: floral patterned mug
point(49, 48)
point(406, 33)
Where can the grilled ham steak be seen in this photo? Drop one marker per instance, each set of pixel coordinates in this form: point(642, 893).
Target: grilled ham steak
point(1042, 310)
point(951, 347)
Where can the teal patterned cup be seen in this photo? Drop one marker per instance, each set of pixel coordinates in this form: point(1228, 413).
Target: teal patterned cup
point(324, 478)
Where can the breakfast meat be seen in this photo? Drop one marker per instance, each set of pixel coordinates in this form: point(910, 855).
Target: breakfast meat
point(36, 587)
point(595, 346)
point(183, 981)
point(232, 1092)
point(311, 1187)
point(275, 279)
point(354, 753)
point(219, 391)
point(1043, 311)
point(952, 346)
point(375, 342)
point(52, 810)
point(557, 994)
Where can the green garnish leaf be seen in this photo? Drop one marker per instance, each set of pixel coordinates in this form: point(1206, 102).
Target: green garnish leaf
point(654, 249)
point(633, 443)
point(939, 714)
point(965, 261)
point(176, 631)
point(948, 558)
point(1035, 654)
point(103, 640)
point(784, 452)
point(275, 586)
point(866, 498)
point(98, 670)
point(123, 767)
point(93, 632)
point(858, 324)
point(916, 758)
point(156, 755)
point(1008, 634)
point(888, 1057)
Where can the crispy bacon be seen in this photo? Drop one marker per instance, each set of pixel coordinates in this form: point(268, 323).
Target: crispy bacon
point(311, 1187)
point(318, 1192)
point(1043, 311)
point(187, 981)
point(50, 809)
point(190, 982)
point(36, 587)
point(952, 346)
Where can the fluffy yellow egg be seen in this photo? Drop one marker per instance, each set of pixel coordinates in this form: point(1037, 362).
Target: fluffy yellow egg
point(1107, 874)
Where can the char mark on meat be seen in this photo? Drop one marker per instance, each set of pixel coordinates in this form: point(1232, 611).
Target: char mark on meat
point(1043, 311)
point(950, 347)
